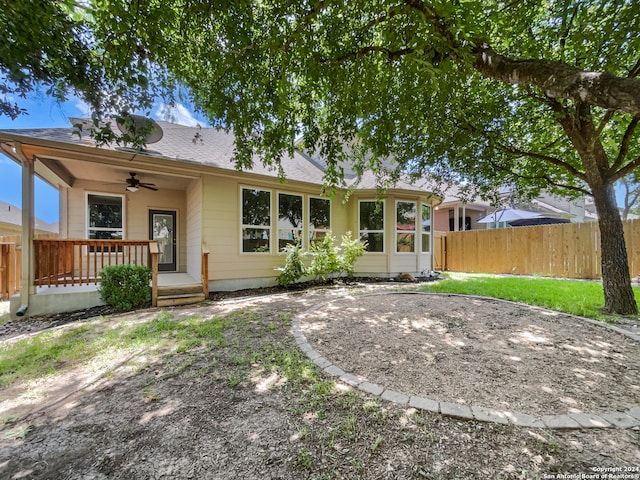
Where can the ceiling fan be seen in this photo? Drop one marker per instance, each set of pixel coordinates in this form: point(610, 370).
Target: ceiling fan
point(133, 184)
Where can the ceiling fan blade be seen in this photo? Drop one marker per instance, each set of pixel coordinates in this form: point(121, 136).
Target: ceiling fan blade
point(148, 186)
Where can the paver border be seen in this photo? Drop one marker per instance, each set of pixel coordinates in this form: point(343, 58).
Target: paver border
point(573, 421)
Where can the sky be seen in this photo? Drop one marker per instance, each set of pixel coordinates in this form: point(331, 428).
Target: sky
point(46, 112)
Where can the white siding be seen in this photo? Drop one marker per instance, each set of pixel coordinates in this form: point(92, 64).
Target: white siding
point(193, 218)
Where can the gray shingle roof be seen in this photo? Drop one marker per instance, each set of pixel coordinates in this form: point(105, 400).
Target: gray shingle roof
point(12, 215)
point(211, 146)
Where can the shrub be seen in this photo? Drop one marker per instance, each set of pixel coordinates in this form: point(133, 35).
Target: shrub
point(125, 287)
point(324, 260)
point(352, 249)
point(293, 265)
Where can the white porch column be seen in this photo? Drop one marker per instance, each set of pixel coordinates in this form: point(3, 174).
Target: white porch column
point(27, 285)
point(456, 219)
point(464, 218)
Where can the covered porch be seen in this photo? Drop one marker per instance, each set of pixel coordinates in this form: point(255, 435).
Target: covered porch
point(66, 275)
point(116, 207)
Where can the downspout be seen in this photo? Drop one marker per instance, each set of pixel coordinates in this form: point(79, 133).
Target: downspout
point(27, 228)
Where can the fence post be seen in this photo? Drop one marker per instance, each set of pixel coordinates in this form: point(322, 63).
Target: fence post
point(153, 250)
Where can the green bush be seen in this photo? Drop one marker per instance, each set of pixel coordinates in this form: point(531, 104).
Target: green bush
point(293, 265)
point(125, 287)
point(324, 259)
point(352, 249)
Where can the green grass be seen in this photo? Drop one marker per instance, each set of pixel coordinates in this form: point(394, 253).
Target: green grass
point(570, 296)
point(48, 352)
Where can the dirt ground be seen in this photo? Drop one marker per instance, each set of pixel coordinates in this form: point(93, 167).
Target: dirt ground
point(481, 352)
point(233, 411)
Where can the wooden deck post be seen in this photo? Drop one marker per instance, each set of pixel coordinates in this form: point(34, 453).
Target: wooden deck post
point(205, 270)
point(153, 250)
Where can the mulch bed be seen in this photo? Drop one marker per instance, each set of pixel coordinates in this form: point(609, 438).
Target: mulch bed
point(14, 328)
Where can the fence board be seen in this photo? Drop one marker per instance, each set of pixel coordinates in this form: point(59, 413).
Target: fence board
point(565, 251)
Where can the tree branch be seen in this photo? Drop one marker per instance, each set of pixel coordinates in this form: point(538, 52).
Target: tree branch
point(559, 80)
point(635, 70)
point(626, 170)
point(304, 23)
point(391, 54)
point(546, 178)
point(624, 145)
point(604, 121)
point(546, 158)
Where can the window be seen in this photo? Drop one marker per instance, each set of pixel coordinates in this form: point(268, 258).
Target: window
point(425, 228)
point(256, 220)
point(372, 225)
point(319, 218)
point(105, 214)
point(289, 219)
point(406, 227)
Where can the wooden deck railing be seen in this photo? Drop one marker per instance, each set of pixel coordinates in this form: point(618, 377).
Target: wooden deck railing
point(78, 262)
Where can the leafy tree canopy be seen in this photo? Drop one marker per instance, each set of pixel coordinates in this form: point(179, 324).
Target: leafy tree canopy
point(537, 94)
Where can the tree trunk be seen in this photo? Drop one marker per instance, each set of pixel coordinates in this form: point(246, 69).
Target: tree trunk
point(616, 281)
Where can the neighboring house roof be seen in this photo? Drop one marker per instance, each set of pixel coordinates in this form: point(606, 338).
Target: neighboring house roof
point(548, 205)
point(215, 147)
point(12, 215)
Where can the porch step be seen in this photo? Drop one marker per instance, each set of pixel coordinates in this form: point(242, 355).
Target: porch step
point(180, 294)
point(180, 299)
point(171, 290)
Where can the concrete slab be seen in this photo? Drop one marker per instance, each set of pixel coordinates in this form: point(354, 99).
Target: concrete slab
point(620, 420)
point(351, 379)
point(559, 422)
point(335, 371)
point(457, 410)
point(489, 415)
point(313, 355)
point(524, 420)
point(634, 412)
point(424, 404)
point(322, 362)
point(589, 420)
point(372, 388)
point(393, 396)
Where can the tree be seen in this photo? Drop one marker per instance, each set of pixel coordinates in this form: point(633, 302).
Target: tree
point(631, 186)
point(540, 94)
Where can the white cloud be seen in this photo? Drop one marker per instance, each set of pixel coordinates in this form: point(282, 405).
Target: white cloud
point(176, 114)
point(83, 107)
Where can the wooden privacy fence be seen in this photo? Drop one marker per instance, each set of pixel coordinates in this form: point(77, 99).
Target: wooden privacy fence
point(567, 250)
point(10, 266)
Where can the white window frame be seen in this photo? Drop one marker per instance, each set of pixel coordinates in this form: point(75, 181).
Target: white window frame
point(429, 232)
point(277, 218)
point(268, 228)
point(397, 232)
point(384, 221)
point(312, 230)
point(105, 229)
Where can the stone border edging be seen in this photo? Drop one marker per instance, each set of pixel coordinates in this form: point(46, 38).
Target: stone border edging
point(623, 420)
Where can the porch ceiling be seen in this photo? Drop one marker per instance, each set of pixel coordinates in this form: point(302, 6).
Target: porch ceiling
point(114, 175)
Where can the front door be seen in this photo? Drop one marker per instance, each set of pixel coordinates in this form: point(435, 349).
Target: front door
point(162, 227)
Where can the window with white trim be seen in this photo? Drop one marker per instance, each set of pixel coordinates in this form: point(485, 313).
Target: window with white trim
point(256, 220)
point(289, 219)
point(319, 218)
point(406, 213)
point(105, 217)
point(425, 228)
point(371, 224)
